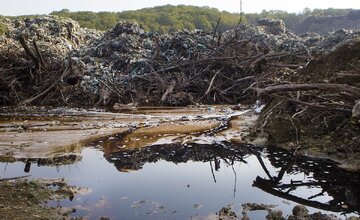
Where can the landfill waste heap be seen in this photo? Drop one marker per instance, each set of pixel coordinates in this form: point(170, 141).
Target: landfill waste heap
point(52, 61)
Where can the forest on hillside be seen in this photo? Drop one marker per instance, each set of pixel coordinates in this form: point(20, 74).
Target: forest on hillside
point(170, 18)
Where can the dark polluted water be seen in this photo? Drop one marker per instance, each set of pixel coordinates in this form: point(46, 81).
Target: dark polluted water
point(181, 182)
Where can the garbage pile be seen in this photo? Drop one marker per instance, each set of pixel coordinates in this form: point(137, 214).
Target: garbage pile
point(319, 44)
point(53, 61)
point(129, 65)
point(54, 35)
point(34, 55)
point(326, 24)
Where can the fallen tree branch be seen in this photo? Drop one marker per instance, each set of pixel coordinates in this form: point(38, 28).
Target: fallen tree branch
point(236, 82)
point(212, 82)
point(216, 27)
point(169, 90)
point(14, 178)
point(291, 66)
point(28, 51)
point(296, 130)
point(38, 54)
point(321, 107)
point(31, 99)
point(351, 90)
point(189, 63)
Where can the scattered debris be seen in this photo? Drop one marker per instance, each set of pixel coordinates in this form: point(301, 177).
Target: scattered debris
point(300, 212)
point(149, 207)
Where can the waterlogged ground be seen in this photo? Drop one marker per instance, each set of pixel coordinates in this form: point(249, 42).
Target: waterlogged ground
point(169, 164)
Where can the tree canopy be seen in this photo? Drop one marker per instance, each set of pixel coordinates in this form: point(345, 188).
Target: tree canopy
point(170, 18)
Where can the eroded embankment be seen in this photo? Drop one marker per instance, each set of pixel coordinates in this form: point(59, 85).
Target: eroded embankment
point(317, 111)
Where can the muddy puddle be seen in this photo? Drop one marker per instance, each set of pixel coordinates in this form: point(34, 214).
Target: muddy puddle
point(188, 165)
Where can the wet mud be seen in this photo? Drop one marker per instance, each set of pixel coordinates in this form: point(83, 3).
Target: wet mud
point(26, 199)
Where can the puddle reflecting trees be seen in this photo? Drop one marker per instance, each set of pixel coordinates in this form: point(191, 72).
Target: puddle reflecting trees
point(315, 183)
point(135, 159)
point(339, 185)
point(337, 188)
point(51, 161)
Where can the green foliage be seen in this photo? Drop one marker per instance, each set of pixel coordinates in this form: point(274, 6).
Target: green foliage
point(170, 18)
point(3, 28)
point(158, 19)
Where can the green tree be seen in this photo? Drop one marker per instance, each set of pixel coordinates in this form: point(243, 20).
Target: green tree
point(172, 18)
point(165, 19)
point(3, 28)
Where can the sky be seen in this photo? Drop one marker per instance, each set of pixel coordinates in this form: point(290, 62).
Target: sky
point(25, 7)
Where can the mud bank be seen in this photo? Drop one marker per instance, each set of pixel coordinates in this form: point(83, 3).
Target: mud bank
point(60, 132)
point(27, 199)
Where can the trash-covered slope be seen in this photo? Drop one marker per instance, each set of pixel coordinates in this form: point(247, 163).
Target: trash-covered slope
point(187, 67)
point(34, 59)
point(53, 61)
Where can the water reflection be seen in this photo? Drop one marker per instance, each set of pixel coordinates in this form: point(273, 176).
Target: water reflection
point(53, 161)
point(342, 186)
point(338, 186)
point(194, 179)
point(130, 160)
point(135, 159)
